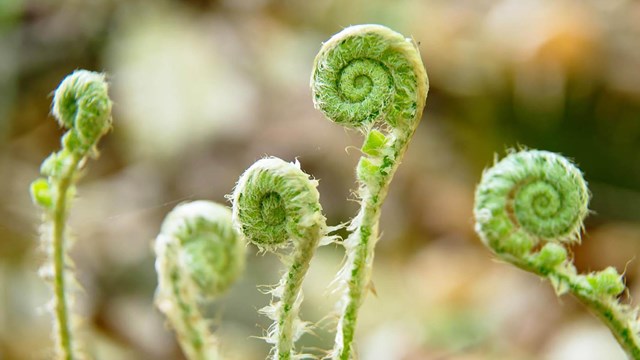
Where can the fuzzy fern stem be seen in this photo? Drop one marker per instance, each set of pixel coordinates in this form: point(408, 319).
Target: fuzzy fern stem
point(62, 317)
point(370, 78)
point(289, 304)
point(596, 295)
point(528, 207)
point(80, 104)
point(178, 304)
point(360, 247)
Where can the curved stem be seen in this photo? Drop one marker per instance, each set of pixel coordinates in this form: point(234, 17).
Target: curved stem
point(361, 243)
point(359, 262)
point(62, 316)
point(289, 303)
point(615, 315)
point(615, 319)
point(81, 104)
point(180, 306)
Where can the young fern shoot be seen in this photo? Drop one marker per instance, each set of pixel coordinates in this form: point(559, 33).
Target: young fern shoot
point(81, 104)
point(370, 78)
point(199, 255)
point(275, 205)
point(528, 207)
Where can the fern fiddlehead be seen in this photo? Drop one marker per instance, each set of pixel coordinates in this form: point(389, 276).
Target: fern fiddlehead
point(276, 205)
point(81, 104)
point(527, 207)
point(199, 255)
point(370, 78)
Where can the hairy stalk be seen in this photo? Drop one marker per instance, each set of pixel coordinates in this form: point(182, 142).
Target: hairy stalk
point(292, 294)
point(275, 205)
point(370, 78)
point(61, 304)
point(198, 257)
point(82, 105)
point(528, 207)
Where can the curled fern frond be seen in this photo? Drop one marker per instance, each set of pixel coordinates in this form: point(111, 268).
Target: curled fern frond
point(528, 207)
point(81, 104)
point(367, 73)
point(370, 78)
point(276, 205)
point(199, 255)
point(529, 197)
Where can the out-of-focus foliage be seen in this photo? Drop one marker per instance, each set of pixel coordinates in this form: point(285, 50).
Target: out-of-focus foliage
point(203, 88)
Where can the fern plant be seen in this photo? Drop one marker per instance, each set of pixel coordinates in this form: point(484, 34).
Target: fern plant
point(275, 204)
point(198, 257)
point(528, 208)
point(370, 78)
point(531, 205)
point(81, 105)
point(366, 77)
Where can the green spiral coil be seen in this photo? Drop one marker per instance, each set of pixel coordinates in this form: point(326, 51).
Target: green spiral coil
point(368, 73)
point(530, 197)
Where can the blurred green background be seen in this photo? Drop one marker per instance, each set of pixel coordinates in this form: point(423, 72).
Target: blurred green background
point(203, 88)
